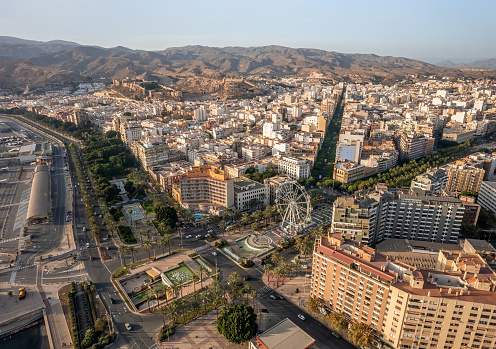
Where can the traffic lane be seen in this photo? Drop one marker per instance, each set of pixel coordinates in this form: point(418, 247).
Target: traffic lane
point(322, 335)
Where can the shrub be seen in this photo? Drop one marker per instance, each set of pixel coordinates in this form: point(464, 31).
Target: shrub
point(126, 234)
point(165, 332)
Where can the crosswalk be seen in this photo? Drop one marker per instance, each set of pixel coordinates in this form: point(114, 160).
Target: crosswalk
point(8, 240)
point(201, 248)
point(264, 291)
point(22, 209)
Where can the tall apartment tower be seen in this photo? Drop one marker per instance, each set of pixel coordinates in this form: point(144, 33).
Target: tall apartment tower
point(450, 306)
point(383, 213)
point(413, 146)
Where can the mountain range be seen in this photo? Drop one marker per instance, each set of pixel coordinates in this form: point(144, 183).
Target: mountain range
point(35, 64)
point(486, 63)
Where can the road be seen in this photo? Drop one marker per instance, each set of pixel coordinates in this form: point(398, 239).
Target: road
point(145, 326)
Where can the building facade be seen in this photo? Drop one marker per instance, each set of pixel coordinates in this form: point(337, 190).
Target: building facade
point(451, 306)
point(294, 167)
point(487, 196)
point(247, 193)
point(204, 186)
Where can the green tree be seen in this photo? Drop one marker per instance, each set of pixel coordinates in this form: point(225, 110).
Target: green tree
point(360, 334)
point(238, 324)
point(147, 246)
point(314, 304)
point(337, 321)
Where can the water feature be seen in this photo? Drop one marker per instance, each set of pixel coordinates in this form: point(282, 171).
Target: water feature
point(180, 274)
point(247, 247)
point(142, 296)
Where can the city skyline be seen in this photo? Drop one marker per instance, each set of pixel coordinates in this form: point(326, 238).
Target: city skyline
point(427, 31)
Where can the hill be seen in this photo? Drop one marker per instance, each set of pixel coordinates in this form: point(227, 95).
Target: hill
point(177, 65)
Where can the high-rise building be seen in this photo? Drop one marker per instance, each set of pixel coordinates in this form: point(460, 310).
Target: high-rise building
point(463, 177)
point(487, 196)
point(204, 186)
point(381, 214)
point(413, 146)
point(450, 306)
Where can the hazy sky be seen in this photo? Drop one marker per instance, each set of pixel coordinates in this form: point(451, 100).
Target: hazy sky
point(430, 29)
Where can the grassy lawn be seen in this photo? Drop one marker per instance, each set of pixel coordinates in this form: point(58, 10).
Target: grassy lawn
point(147, 205)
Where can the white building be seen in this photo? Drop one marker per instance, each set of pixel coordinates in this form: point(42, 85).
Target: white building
point(200, 114)
point(246, 190)
point(487, 196)
point(252, 153)
point(294, 167)
point(349, 150)
point(269, 129)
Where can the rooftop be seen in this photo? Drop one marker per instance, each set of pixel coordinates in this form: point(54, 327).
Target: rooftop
point(285, 335)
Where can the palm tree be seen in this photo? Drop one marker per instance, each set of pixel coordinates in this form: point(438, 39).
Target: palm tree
point(247, 290)
point(162, 242)
point(254, 295)
point(234, 278)
point(131, 251)
point(148, 297)
point(204, 298)
point(222, 226)
point(267, 213)
point(122, 251)
point(267, 269)
point(147, 246)
point(196, 278)
point(161, 227)
point(168, 239)
point(202, 272)
point(172, 311)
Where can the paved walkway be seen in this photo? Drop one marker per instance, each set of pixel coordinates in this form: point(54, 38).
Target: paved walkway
point(200, 334)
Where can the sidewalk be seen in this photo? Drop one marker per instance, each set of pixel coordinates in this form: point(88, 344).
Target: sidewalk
point(200, 334)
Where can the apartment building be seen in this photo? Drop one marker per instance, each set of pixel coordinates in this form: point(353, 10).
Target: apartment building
point(246, 192)
point(271, 185)
point(413, 146)
point(450, 306)
point(130, 132)
point(348, 150)
point(431, 182)
point(204, 188)
point(252, 152)
point(463, 177)
point(348, 171)
point(458, 136)
point(169, 174)
point(355, 220)
point(295, 168)
point(487, 196)
point(384, 213)
point(150, 151)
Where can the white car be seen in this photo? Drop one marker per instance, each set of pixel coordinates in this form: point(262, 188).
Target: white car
point(189, 236)
point(214, 253)
point(301, 317)
point(199, 236)
point(84, 228)
point(128, 326)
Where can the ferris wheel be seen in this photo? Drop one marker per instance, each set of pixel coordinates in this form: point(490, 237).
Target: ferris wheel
point(294, 204)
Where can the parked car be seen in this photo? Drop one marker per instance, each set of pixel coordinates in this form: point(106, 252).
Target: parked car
point(189, 236)
point(301, 317)
point(247, 277)
point(272, 296)
point(335, 334)
point(214, 253)
point(199, 236)
point(112, 300)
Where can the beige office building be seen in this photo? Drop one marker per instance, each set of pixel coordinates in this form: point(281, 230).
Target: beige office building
point(452, 306)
